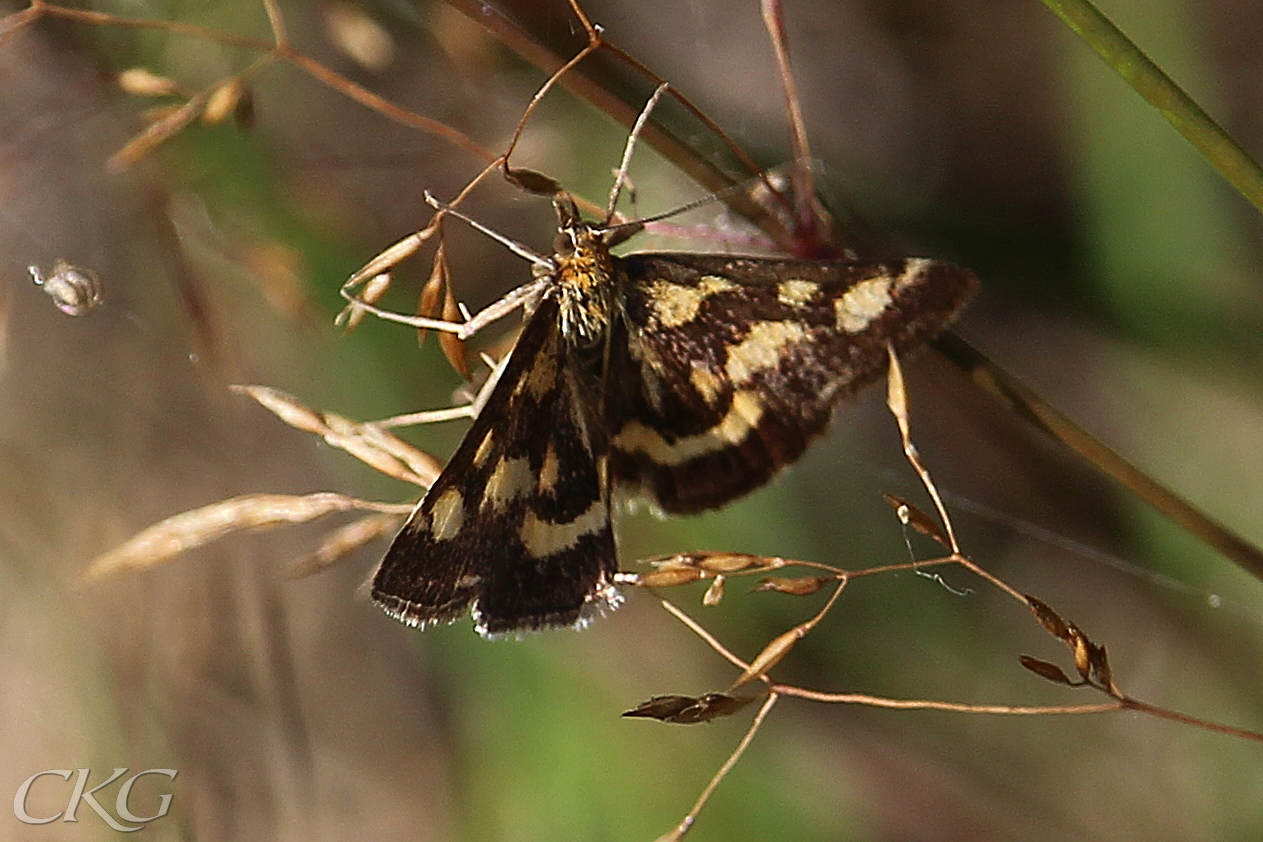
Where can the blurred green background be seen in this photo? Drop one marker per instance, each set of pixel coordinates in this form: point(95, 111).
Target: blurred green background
point(1121, 281)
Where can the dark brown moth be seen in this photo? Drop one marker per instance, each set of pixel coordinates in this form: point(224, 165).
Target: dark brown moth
point(684, 379)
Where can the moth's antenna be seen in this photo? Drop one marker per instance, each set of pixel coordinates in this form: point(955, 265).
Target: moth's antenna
point(620, 177)
point(717, 196)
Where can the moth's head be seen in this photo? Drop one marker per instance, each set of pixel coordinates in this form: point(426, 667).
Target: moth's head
point(575, 234)
point(567, 210)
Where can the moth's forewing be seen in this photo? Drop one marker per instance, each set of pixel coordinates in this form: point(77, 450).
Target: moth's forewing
point(733, 365)
point(517, 526)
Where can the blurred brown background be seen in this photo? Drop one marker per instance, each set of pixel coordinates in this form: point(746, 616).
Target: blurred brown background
point(1122, 281)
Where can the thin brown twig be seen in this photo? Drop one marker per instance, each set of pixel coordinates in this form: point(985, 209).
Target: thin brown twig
point(384, 106)
point(903, 565)
point(701, 632)
point(897, 401)
point(283, 51)
point(594, 43)
point(926, 704)
point(586, 86)
point(9, 24)
point(690, 818)
point(1183, 718)
point(584, 20)
point(781, 645)
point(1117, 704)
point(967, 563)
point(276, 20)
point(215, 36)
point(664, 144)
point(804, 176)
point(401, 250)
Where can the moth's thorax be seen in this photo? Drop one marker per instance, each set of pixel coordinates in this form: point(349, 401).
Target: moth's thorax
point(585, 282)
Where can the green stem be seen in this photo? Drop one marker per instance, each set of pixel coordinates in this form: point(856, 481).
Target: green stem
point(1160, 91)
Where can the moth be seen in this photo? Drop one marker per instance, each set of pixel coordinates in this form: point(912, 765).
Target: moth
point(683, 379)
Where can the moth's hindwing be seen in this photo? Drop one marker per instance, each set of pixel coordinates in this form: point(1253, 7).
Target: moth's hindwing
point(734, 364)
point(518, 523)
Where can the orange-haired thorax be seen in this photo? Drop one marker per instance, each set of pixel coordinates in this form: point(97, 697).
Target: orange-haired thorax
point(585, 281)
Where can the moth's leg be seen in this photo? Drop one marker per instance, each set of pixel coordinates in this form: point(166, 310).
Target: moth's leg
point(523, 295)
point(364, 288)
point(498, 309)
point(428, 416)
point(464, 410)
point(620, 175)
point(421, 322)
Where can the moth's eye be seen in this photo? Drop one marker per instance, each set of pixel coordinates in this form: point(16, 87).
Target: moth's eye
point(564, 244)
